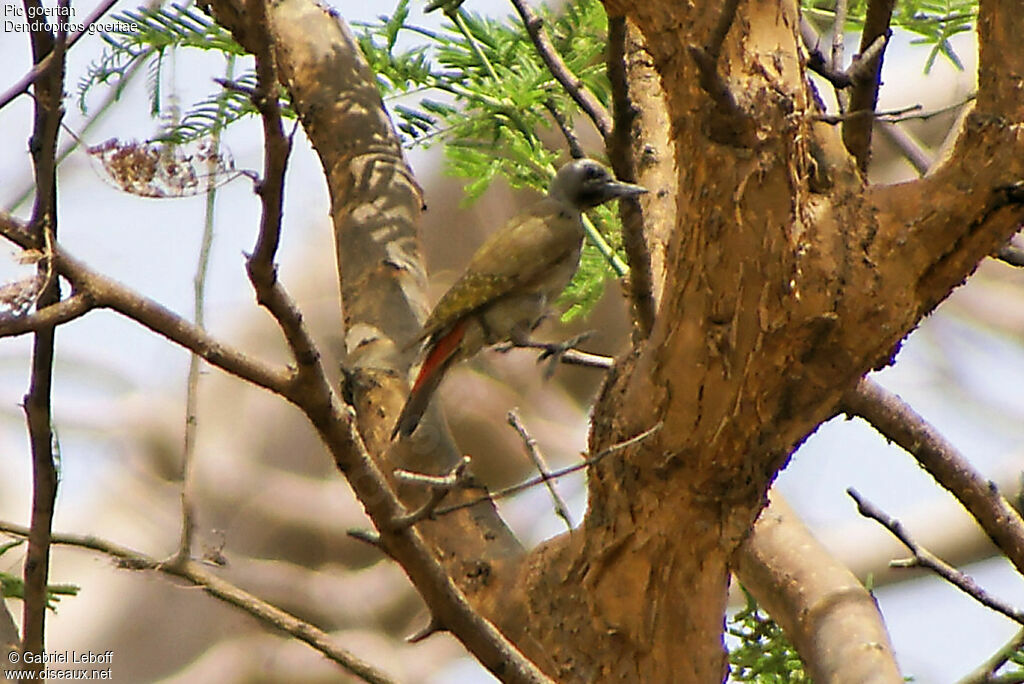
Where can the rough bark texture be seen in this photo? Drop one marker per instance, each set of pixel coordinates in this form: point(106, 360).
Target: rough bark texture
point(783, 278)
point(785, 282)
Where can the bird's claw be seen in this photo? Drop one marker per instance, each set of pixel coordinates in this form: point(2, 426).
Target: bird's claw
point(554, 351)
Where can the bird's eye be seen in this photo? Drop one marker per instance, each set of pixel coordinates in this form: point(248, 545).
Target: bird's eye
point(593, 172)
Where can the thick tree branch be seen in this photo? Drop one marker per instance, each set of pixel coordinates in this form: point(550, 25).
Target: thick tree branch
point(780, 295)
point(825, 611)
point(899, 423)
point(333, 90)
point(199, 576)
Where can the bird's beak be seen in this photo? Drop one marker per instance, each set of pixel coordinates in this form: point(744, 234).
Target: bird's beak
point(618, 190)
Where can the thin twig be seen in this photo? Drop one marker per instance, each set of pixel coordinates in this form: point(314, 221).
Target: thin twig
point(898, 422)
point(571, 139)
point(553, 475)
point(260, 266)
point(460, 23)
point(275, 149)
point(439, 485)
point(594, 110)
point(561, 510)
point(596, 239)
point(924, 558)
point(188, 509)
point(572, 357)
point(25, 82)
point(866, 113)
point(924, 116)
point(199, 576)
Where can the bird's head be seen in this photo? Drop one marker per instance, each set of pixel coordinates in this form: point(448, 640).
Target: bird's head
point(584, 183)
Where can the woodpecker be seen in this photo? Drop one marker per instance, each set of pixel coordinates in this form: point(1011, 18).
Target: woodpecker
point(511, 280)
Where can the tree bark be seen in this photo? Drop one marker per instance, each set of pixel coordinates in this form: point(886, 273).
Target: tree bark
point(784, 284)
point(781, 280)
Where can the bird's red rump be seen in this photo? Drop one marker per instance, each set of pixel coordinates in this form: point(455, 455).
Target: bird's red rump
point(439, 353)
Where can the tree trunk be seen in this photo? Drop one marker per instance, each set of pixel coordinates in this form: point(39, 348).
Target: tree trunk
point(781, 278)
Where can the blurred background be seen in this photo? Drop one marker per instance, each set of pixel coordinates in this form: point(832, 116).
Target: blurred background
point(271, 502)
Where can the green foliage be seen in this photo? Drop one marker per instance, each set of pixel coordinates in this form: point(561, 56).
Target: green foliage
point(763, 654)
point(935, 21)
point(12, 586)
point(161, 30)
point(484, 91)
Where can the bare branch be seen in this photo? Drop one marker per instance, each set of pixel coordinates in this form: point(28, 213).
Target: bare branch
point(571, 139)
point(898, 422)
point(105, 292)
point(37, 70)
point(439, 487)
point(864, 92)
point(838, 33)
point(325, 67)
point(554, 475)
point(260, 265)
point(866, 114)
point(824, 609)
point(572, 85)
point(924, 558)
point(623, 158)
point(225, 591)
point(275, 147)
point(572, 357)
point(541, 465)
point(48, 89)
point(51, 316)
point(860, 68)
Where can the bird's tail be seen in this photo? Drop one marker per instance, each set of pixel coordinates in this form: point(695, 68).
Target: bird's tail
point(440, 356)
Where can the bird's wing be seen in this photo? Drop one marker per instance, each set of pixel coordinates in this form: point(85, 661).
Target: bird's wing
point(522, 251)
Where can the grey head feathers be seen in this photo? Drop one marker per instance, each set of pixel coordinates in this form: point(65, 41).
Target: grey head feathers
point(585, 183)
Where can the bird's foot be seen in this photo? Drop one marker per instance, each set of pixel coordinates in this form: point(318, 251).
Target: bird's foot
point(554, 351)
